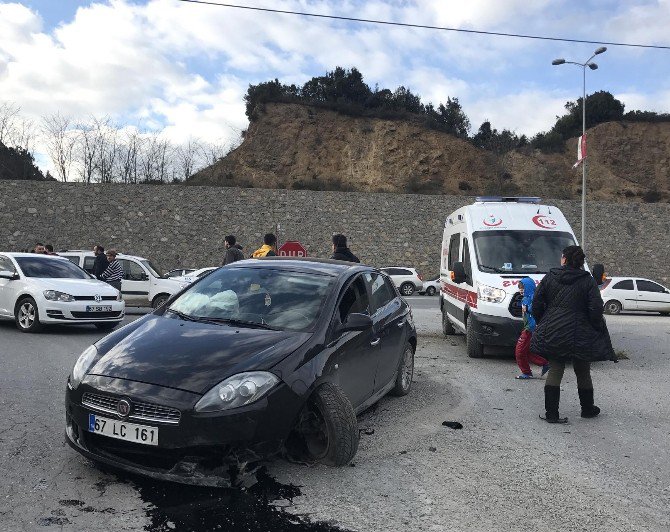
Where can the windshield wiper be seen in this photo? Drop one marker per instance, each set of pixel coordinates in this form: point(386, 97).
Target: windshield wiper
point(183, 316)
point(497, 270)
point(243, 323)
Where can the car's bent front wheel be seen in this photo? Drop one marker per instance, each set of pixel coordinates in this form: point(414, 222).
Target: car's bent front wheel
point(27, 316)
point(403, 380)
point(328, 427)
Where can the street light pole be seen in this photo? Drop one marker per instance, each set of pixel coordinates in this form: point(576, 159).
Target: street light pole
point(592, 66)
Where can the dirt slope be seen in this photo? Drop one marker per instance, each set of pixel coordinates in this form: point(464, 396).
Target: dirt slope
point(301, 147)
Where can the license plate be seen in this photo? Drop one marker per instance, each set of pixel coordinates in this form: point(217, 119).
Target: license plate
point(90, 308)
point(121, 430)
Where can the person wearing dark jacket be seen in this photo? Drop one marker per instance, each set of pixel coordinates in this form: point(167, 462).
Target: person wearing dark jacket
point(233, 251)
point(568, 310)
point(100, 264)
point(340, 249)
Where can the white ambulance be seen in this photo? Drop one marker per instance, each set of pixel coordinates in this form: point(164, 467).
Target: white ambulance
point(487, 248)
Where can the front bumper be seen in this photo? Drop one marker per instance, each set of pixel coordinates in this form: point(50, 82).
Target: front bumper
point(496, 330)
point(194, 451)
point(77, 312)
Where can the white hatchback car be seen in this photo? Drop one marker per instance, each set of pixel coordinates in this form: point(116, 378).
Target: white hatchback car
point(36, 290)
point(431, 287)
point(195, 275)
point(408, 280)
point(630, 293)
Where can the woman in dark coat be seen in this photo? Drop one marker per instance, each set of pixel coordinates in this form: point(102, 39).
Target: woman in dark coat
point(569, 312)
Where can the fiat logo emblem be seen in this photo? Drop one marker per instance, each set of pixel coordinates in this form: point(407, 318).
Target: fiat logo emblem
point(97, 298)
point(123, 408)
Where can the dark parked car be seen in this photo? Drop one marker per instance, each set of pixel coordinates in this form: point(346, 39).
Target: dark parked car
point(254, 354)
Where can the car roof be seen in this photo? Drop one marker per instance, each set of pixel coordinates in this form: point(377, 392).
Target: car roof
point(18, 255)
point(303, 264)
point(91, 254)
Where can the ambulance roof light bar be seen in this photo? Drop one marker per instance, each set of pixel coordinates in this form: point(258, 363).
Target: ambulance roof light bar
point(507, 199)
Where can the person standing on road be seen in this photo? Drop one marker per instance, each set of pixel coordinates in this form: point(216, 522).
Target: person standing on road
point(114, 272)
point(340, 249)
point(570, 327)
point(522, 352)
point(233, 253)
point(49, 249)
point(100, 264)
point(40, 249)
point(268, 249)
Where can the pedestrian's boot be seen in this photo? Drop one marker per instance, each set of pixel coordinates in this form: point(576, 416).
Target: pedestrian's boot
point(586, 400)
point(552, 397)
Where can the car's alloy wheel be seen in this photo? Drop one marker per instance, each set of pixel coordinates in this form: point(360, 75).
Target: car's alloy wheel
point(407, 289)
point(403, 382)
point(431, 291)
point(27, 315)
point(612, 307)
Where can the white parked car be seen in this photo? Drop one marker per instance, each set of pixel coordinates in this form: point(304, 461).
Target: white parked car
point(408, 280)
point(631, 293)
point(36, 290)
point(430, 288)
point(179, 272)
point(141, 285)
point(195, 275)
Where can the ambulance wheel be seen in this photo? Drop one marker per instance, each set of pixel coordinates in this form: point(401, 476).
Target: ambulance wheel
point(447, 327)
point(474, 348)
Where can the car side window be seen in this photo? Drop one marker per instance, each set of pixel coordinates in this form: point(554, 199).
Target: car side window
point(648, 286)
point(6, 265)
point(466, 262)
point(354, 300)
point(624, 285)
point(404, 272)
point(380, 291)
point(88, 263)
point(454, 249)
point(72, 258)
point(131, 270)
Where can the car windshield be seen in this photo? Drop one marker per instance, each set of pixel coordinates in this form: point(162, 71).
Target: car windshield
point(520, 252)
point(151, 267)
point(262, 297)
point(50, 268)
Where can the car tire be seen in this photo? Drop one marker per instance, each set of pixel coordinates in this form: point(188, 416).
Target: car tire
point(447, 326)
point(27, 316)
point(107, 326)
point(160, 300)
point(612, 307)
point(335, 440)
point(431, 291)
point(474, 348)
point(403, 380)
point(407, 289)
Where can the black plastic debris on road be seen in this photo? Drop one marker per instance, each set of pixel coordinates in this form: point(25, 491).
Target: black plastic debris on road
point(452, 424)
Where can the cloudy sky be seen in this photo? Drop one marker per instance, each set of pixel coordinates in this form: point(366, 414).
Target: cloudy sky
point(185, 67)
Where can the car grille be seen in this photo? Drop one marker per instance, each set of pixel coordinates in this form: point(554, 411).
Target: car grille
point(99, 315)
point(139, 411)
point(92, 298)
point(515, 305)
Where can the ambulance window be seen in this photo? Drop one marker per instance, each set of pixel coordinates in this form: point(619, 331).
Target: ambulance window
point(454, 249)
point(466, 262)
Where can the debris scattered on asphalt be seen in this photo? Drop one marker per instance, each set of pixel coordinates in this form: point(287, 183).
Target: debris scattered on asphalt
point(369, 432)
point(494, 408)
point(509, 390)
point(352, 464)
point(402, 452)
point(432, 449)
point(452, 424)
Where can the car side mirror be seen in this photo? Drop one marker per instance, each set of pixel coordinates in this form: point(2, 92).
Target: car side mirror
point(357, 322)
point(458, 273)
point(4, 274)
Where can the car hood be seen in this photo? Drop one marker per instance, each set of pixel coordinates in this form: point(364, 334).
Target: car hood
point(76, 287)
point(192, 356)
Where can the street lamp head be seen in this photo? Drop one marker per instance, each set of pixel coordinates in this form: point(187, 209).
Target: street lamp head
point(600, 50)
point(558, 62)
point(593, 66)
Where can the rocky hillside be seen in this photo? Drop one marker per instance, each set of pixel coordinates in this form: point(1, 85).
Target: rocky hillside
point(300, 147)
point(16, 163)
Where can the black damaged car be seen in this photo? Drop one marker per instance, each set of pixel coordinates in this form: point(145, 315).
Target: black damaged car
point(253, 355)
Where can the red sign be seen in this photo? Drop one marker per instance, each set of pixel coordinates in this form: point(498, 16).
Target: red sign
point(544, 221)
point(292, 248)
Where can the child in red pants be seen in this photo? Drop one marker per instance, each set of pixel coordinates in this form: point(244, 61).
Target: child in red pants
point(522, 350)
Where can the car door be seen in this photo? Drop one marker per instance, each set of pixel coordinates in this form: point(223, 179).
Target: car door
point(625, 293)
point(389, 316)
point(7, 294)
point(135, 283)
point(355, 355)
point(652, 296)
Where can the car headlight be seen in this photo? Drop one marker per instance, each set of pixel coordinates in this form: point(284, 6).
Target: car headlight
point(82, 365)
point(238, 390)
point(490, 294)
point(55, 295)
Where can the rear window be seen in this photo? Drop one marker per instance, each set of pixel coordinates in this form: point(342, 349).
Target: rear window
point(50, 268)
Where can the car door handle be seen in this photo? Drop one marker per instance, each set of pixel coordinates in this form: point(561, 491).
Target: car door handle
point(375, 342)
point(401, 323)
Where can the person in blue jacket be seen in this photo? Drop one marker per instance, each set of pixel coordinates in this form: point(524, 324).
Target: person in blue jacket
point(522, 352)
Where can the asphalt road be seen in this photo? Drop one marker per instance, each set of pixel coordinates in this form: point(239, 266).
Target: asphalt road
point(504, 470)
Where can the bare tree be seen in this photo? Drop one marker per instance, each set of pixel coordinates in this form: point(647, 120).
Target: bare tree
point(107, 151)
point(25, 133)
point(128, 156)
point(188, 156)
point(90, 142)
point(60, 142)
point(9, 114)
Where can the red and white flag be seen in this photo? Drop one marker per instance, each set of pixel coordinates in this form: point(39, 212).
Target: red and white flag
point(581, 150)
